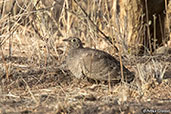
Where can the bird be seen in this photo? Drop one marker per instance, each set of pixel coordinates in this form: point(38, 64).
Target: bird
point(93, 63)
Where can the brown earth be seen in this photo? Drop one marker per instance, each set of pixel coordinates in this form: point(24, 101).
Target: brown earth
point(50, 89)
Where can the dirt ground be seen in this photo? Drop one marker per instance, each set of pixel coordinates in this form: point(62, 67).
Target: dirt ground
point(51, 89)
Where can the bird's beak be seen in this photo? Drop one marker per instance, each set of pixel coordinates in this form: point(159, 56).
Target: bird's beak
point(65, 40)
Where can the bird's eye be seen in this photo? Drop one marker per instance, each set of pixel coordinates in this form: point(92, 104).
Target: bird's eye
point(74, 40)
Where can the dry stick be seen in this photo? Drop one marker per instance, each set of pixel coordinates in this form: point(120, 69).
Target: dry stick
point(5, 64)
point(167, 19)
point(161, 29)
point(120, 59)
point(29, 90)
point(109, 83)
point(36, 30)
point(10, 39)
point(36, 3)
point(91, 65)
point(68, 19)
point(148, 27)
point(2, 8)
point(121, 65)
point(154, 18)
point(9, 29)
point(3, 42)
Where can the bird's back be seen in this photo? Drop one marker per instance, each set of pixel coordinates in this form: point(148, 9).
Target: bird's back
point(96, 64)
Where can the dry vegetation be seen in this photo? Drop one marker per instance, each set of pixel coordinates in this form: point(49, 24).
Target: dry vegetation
point(33, 75)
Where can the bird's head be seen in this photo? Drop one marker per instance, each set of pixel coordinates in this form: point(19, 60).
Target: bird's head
point(74, 42)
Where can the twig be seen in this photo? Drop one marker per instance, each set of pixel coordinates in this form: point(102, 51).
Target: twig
point(28, 88)
point(148, 27)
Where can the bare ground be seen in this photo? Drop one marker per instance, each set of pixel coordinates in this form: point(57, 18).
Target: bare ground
point(50, 89)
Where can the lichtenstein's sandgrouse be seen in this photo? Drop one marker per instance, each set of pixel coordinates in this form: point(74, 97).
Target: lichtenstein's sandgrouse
point(94, 64)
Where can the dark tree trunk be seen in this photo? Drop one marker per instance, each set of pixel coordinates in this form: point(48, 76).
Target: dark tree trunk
point(138, 16)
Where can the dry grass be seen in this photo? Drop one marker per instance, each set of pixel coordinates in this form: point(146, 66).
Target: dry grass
point(33, 78)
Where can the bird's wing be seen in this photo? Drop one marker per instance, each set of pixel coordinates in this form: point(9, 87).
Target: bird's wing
point(99, 65)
